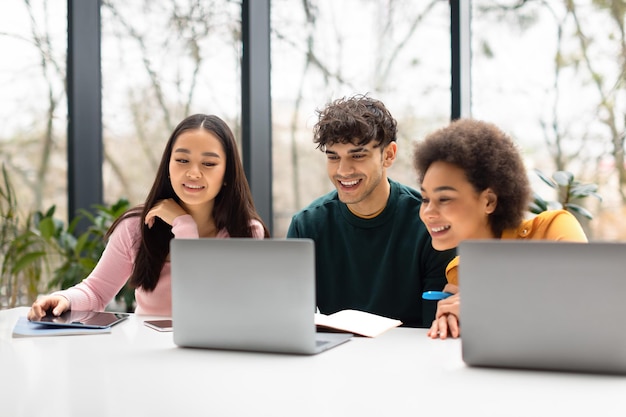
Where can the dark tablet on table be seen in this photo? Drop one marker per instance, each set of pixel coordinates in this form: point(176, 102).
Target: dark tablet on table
point(85, 319)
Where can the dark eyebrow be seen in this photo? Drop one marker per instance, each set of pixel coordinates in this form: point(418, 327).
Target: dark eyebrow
point(442, 188)
point(361, 149)
point(187, 151)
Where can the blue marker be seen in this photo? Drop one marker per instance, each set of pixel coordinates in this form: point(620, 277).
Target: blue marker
point(436, 295)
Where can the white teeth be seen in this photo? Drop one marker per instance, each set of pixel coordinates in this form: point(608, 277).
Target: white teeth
point(349, 183)
point(440, 228)
point(195, 187)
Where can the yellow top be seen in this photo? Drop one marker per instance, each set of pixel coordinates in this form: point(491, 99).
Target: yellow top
point(548, 225)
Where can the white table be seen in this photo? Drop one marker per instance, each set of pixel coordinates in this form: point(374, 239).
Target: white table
point(137, 371)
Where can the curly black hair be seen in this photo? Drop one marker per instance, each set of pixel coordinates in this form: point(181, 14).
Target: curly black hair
point(489, 158)
point(358, 119)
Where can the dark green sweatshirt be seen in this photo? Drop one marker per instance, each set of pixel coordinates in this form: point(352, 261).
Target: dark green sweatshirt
point(380, 265)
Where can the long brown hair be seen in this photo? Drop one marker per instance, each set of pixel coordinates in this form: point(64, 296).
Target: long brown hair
point(233, 210)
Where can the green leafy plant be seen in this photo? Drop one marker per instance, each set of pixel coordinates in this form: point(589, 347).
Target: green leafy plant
point(79, 253)
point(22, 251)
point(38, 253)
point(569, 192)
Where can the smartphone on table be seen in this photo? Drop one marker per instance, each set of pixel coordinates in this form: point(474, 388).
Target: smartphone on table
point(164, 325)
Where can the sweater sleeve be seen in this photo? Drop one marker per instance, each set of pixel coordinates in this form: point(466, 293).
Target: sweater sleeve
point(111, 272)
point(293, 230)
point(258, 231)
point(560, 225)
point(185, 227)
point(452, 271)
point(549, 225)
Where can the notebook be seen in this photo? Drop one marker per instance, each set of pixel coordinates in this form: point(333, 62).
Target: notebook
point(246, 294)
point(543, 305)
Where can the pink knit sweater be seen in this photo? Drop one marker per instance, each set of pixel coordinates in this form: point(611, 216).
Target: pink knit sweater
point(115, 266)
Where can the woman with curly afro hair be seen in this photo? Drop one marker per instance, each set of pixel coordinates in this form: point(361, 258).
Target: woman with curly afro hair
point(475, 186)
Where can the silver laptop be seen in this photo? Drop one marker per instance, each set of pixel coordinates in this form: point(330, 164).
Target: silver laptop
point(246, 294)
point(543, 305)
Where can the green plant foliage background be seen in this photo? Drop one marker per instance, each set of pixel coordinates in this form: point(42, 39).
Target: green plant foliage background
point(39, 253)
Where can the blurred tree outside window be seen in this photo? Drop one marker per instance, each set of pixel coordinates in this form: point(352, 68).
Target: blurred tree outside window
point(163, 60)
point(322, 50)
point(548, 72)
point(33, 137)
point(33, 108)
point(551, 73)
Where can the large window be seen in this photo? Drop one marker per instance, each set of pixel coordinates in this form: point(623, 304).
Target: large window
point(33, 109)
point(552, 75)
point(398, 52)
point(162, 61)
